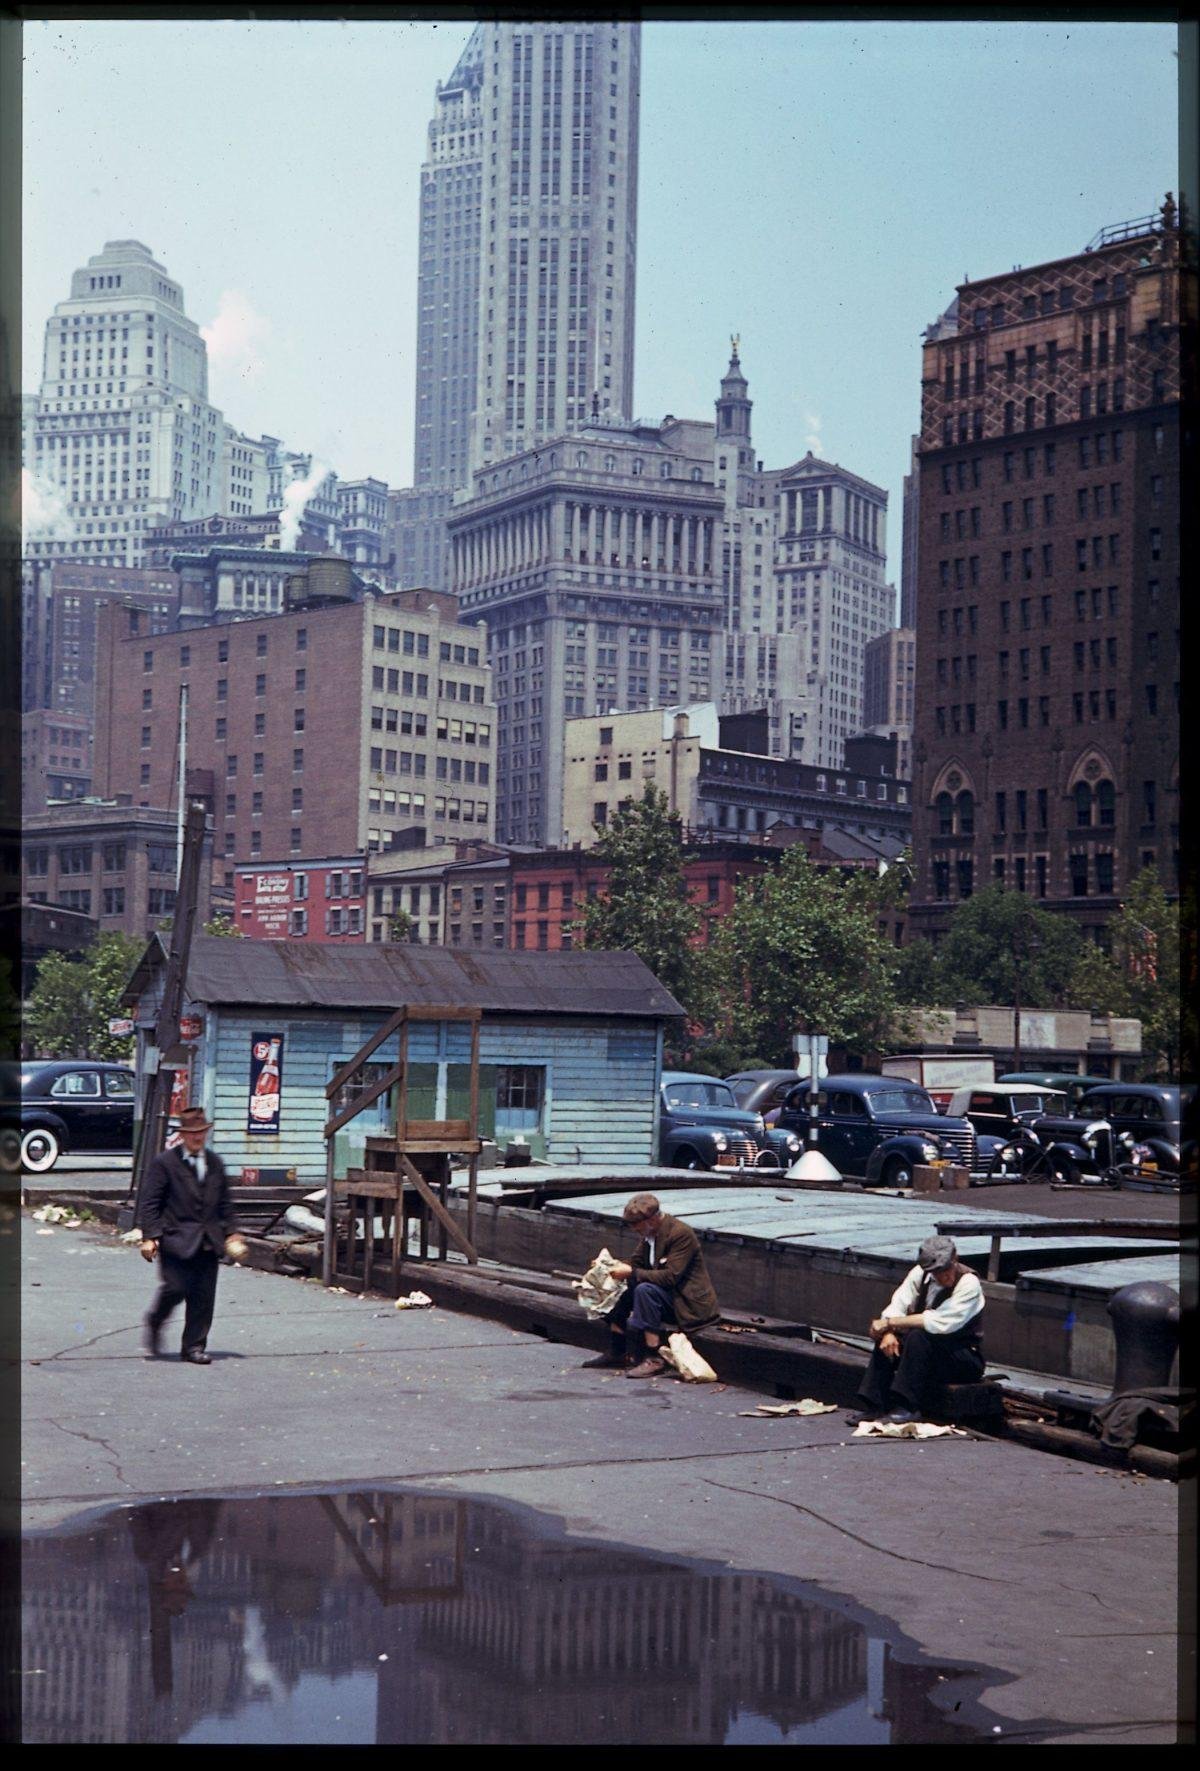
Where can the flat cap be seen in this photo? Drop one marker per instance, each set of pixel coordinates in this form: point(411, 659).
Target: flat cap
point(936, 1252)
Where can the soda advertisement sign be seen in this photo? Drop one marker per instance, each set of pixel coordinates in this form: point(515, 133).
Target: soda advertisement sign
point(266, 1071)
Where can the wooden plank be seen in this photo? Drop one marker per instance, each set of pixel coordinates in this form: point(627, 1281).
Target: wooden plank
point(402, 1102)
point(354, 1064)
point(378, 1187)
point(435, 1011)
point(441, 1146)
point(364, 1100)
point(435, 1205)
point(473, 1114)
point(443, 1133)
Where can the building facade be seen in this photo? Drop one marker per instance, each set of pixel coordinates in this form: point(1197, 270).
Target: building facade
point(122, 434)
point(115, 862)
point(526, 276)
point(323, 730)
point(1046, 745)
point(889, 691)
point(452, 894)
point(312, 900)
point(56, 758)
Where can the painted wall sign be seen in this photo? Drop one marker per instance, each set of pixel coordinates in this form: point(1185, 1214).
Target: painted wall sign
point(190, 1027)
point(120, 1027)
point(266, 1070)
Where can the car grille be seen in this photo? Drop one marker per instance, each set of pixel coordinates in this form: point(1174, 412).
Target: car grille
point(739, 1150)
point(962, 1143)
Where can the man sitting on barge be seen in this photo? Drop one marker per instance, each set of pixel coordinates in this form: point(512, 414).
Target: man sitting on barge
point(668, 1288)
point(929, 1335)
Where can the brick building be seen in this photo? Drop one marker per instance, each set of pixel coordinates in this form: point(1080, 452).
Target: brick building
point(56, 758)
point(310, 900)
point(115, 862)
point(1046, 741)
point(325, 728)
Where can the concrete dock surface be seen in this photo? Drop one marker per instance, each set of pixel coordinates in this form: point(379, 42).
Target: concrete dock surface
point(1058, 1581)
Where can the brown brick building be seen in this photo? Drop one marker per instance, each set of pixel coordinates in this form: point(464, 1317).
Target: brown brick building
point(1046, 739)
point(115, 863)
point(320, 731)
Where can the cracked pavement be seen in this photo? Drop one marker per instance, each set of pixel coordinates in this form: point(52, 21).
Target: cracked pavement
point(1058, 1578)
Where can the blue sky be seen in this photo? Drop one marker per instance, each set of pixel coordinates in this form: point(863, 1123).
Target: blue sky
point(818, 187)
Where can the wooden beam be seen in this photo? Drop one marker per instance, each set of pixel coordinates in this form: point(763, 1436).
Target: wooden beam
point(351, 1067)
point(442, 1012)
point(413, 1174)
point(364, 1100)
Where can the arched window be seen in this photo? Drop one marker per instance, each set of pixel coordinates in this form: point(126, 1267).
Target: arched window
point(610, 462)
point(664, 472)
point(638, 465)
point(581, 459)
point(945, 814)
point(1106, 802)
point(966, 814)
point(553, 459)
point(1083, 803)
point(697, 474)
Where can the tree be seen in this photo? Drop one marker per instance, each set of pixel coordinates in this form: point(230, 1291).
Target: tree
point(803, 949)
point(223, 926)
point(73, 1000)
point(400, 926)
point(1140, 974)
point(645, 908)
point(1000, 942)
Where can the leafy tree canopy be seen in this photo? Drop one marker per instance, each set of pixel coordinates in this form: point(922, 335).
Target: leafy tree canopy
point(73, 999)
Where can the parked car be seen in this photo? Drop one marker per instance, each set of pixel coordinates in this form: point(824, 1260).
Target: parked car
point(1144, 1117)
point(763, 1091)
point(74, 1106)
point(1001, 1113)
point(702, 1126)
point(1065, 1082)
point(878, 1128)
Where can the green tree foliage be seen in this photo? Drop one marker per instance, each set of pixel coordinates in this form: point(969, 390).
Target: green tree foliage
point(804, 949)
point(1140, 974)
point(73, 1000)
point(999, 942)
point(645, 907)
point(223, 926)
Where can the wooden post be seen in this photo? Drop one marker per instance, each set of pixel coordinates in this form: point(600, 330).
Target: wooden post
point(327, 1245)
point(993, 1266)
point(472, 1194)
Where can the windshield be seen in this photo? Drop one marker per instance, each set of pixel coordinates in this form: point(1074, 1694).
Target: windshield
point(698, 1094)
point(901, 1100)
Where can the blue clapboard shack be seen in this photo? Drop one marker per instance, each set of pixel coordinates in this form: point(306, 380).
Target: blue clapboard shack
point(570, 1046)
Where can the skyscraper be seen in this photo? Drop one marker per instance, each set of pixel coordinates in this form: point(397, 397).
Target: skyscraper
point(122, 435)
point(527, 253)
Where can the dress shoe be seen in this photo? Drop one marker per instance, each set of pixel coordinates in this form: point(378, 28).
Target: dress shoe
point(195, 1356)
point(652, 1366)
point(856, 1420)
point(612, 1361)
point(152, 1340)
point(901, 1417)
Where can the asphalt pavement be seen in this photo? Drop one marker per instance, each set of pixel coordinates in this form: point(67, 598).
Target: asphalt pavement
point(1058, 1579)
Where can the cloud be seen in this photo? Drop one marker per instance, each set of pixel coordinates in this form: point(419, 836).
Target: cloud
point(812, 440)
point(44, 512)
point(236, 336)
point(296, 495)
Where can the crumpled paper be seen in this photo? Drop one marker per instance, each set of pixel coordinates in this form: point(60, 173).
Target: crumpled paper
point(807, 1406)
point(598, 1291)
point(416, 1300)
point(57, 1214)
point(909, 1429)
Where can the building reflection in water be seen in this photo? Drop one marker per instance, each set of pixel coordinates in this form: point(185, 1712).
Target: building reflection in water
point(478, 1629)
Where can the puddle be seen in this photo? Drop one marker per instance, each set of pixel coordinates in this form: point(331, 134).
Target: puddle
point(396, 1617)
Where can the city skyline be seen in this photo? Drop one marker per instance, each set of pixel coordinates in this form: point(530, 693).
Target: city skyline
point(334, 370)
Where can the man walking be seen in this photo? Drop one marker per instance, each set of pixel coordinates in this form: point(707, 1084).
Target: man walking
point(668, 1288)
point(930, 1334)
point(187, 1221)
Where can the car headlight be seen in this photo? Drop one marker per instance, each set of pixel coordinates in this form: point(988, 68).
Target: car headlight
point(720, 1141)
point(931, 1151)
point(1007, 1153)
point(793, 1142)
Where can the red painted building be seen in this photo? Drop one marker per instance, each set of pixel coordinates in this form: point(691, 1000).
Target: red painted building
point(323, 900)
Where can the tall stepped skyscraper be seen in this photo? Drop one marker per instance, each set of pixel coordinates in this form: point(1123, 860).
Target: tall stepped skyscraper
point(122, 434)
point(527, 250)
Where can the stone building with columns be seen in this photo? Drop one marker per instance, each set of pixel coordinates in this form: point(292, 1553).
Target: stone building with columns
point(595, 562)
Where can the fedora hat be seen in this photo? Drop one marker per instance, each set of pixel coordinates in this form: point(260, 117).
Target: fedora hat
point(194, 1119)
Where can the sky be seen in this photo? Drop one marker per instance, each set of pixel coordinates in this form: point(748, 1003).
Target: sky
point(818, 188)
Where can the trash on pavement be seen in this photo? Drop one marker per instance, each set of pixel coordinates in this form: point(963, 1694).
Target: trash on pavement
point(909, 1429)
point(416, 1300)
point(687, 1363)
point(805, 1406)
point(57, 1214)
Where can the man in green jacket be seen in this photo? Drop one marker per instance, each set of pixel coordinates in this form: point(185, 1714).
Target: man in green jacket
point(668, 1288)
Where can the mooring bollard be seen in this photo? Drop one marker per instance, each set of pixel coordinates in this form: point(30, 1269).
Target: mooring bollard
point(1145, 1319)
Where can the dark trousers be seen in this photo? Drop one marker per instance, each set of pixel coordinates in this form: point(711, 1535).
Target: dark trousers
point(192, 1283)
point(642, 1307)
point(926, 1361)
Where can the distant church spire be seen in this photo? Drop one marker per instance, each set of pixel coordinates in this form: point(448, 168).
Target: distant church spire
point(734, 404)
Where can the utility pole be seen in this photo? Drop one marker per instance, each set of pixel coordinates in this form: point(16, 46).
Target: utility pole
point(152, 1128)
point(182, 796)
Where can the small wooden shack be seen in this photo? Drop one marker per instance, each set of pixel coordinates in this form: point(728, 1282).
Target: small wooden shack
point(569, 1047)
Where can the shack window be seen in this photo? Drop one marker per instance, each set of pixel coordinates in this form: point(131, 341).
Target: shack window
point(520, 1092)
point(358, 1086)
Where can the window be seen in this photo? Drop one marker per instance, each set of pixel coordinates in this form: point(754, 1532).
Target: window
point(76, 1085)
point(520, 1092)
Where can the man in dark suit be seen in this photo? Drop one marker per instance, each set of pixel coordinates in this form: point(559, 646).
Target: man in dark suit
point(187, 1221)
point(668, 1288)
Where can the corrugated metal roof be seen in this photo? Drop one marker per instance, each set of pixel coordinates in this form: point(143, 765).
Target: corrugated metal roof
point(304, 974)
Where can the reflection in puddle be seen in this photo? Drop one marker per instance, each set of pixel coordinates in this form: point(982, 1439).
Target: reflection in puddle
point(394, 1617)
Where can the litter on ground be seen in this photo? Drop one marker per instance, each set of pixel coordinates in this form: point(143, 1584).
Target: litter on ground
point(807, 1406)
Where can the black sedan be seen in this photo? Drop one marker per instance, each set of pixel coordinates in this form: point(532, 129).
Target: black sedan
point(75, 1106)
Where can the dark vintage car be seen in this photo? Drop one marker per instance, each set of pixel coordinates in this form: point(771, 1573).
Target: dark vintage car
point(763, 1091)
point(1063, 1082)
point(1143, 1116)
point(878, 1128)
point(75, 1106)
point(702, 1126)
point(1004, 1114)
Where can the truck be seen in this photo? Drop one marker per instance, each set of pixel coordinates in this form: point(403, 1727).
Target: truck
point(940, 1073)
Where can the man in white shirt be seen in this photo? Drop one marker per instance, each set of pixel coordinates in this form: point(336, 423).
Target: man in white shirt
point(929, 1335)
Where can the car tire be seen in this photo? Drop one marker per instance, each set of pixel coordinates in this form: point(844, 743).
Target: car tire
point(898, 1173)
point(40, 1150)
point(688, 1159)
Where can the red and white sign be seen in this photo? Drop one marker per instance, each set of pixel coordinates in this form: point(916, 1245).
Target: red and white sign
point(271, 900)
point(266, 1064)
point(191, 1027)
